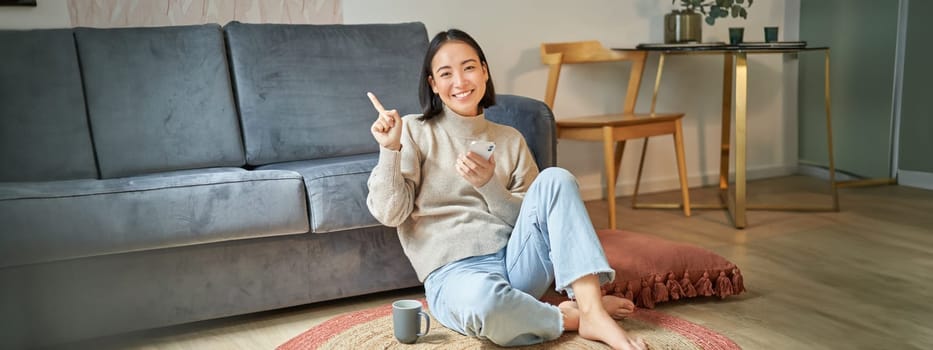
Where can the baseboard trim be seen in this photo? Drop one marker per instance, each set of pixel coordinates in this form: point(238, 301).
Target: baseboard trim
point(596, 191)
point(917, 179)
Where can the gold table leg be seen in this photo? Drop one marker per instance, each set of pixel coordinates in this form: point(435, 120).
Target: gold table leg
point(657, 82)
point(832, 166)
point(741, 109)
point(726, 123)
point(736, 203)
point(829, 137)
point(865, 183)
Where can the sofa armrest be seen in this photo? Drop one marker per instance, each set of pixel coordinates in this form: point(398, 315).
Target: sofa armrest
point(534, 120)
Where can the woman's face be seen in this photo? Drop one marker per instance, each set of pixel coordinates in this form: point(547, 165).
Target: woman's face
point(458, 77)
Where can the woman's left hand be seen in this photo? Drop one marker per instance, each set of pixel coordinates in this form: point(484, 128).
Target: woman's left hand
point(476, 170)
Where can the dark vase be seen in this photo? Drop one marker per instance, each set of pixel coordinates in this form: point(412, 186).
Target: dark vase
point(683, 27)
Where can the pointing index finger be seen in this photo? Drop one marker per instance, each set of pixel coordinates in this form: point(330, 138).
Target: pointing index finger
point(375, 101)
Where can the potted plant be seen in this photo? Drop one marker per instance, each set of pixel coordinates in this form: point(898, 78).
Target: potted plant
point(683, 25)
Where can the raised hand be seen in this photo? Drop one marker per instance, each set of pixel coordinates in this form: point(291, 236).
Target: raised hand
point(387, 129)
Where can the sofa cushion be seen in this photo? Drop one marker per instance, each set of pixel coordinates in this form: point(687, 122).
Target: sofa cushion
point(159, 99)
point(336, 190)
point(43, 126)
point(652, 270)
point(301, 89)
point(56, 220)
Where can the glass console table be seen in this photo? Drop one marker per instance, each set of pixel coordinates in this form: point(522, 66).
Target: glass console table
point(735, 66)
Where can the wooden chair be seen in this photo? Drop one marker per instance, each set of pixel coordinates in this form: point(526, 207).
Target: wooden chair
point(614, 129)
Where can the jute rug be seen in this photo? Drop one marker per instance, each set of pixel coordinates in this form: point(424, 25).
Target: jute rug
point(372, 329)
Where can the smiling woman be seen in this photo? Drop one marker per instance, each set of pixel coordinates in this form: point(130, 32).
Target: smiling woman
point(487, 236)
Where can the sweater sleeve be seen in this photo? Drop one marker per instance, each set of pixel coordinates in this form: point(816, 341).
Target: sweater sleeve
point(505, 200)
point(393, 183)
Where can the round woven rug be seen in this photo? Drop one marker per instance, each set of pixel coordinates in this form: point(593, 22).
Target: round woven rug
point(372, 329)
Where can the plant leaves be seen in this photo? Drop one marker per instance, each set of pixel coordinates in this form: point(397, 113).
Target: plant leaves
point(714, 9)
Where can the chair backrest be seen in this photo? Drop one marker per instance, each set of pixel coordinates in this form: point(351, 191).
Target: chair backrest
point(557, 54)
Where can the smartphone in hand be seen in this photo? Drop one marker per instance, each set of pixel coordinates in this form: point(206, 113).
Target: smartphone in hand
point(483, 148)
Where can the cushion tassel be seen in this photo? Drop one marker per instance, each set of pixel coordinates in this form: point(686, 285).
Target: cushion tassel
point(628, 294)
point(738, 283)
point(723, 285)
point(645, 298)
point(673, 286)
point(687, 286)
point(661, 293)
point(704, 286)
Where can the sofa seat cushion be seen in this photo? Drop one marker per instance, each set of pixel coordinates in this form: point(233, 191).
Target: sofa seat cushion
point(336, 190)
point(49, 221)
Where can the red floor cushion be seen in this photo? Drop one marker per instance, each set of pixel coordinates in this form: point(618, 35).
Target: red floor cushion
point(652, 270)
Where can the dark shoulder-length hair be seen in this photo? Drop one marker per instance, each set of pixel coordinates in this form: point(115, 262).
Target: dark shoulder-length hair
point(431, 103)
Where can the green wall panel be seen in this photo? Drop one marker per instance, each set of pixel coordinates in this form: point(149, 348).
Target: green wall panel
point(916, 137)
point(862, 35)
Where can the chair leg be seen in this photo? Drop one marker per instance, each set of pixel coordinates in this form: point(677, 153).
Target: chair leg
point(609, 158)
point(641, 165)
point(620, 150)
point(681, 166)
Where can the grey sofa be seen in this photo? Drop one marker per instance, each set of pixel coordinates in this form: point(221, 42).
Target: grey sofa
point(164, 175)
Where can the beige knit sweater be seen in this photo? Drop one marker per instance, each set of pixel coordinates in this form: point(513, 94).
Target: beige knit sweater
point(440, 216)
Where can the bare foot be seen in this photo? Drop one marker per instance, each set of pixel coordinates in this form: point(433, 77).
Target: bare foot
point(594, 322)
point(618, 308)
point(597, 325)
point(571, 315)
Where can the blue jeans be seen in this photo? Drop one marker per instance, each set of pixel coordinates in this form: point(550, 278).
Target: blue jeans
point(495, 296)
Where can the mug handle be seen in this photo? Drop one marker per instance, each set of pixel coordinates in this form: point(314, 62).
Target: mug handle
point(427, 322)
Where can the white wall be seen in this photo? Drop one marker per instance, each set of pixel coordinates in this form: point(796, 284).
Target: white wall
point(510, 33)
point(46, 14)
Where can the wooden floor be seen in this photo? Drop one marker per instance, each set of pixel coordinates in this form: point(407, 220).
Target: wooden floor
point(861, 278)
